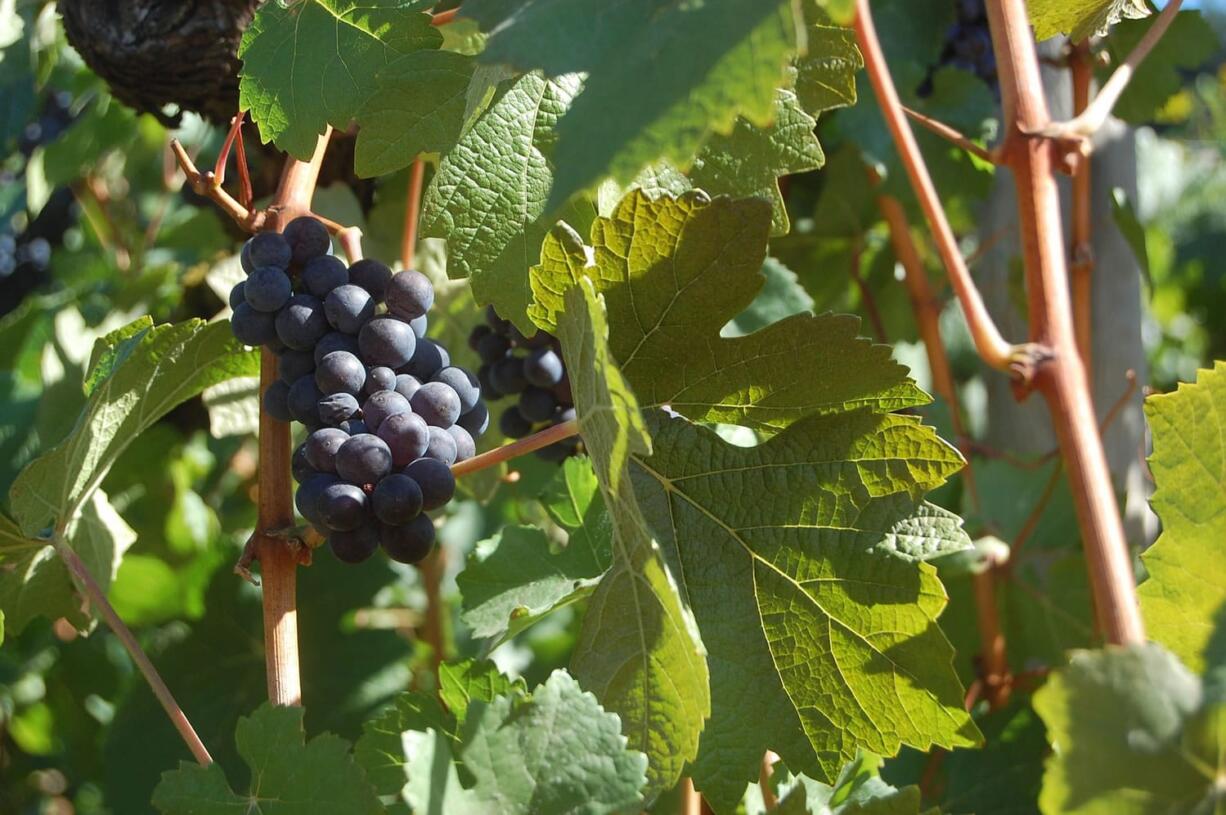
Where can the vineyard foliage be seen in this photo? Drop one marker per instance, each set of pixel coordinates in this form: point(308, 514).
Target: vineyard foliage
point(772, 540)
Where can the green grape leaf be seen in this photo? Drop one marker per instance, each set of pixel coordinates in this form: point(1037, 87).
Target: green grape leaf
point(796, 595)
point(290, 775)
point(638, 649)
point(514, 578)
point(661, 76)
point(34, 581)
point(462, 683)
point(1004, 776)
point(488, 197)
point(1131, 733)
point(137, 375)
point(858, 790)
point(418, 106)
point(314, 63)
point(555, 751)
point(380, 750)
point(1186, 588)
point(233, 406)
point(1081, 18)
point(826, 73)
point(674, 271)
point(781, 296)
point(1186, 44)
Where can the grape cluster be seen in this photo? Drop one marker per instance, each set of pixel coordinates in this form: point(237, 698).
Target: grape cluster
point(56, 117)
point(531, 369)
point(387, 413)
point(968, 43)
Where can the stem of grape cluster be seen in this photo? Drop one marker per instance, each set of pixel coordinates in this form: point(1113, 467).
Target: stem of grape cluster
point(516, 449)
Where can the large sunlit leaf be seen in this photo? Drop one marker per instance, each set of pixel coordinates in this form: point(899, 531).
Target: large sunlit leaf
point(1186, 589)
point(1081, 18)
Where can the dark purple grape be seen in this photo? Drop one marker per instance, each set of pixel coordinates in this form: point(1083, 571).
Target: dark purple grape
point(397, 500)
point(363, 459)
point(437, 403)
point(372, 276)
point(321, 447)
point(499, 325)
point(379, 406)
point(304, 401)
point(380, 379)
point(354, 427)
point(544, 368)
point(492, 347)
point(307, 238)
point(442, 446)
point(253, 327)
point(407, 435)
point(513, 424)
point(428, 360)
point(479, 332)
point(293, 365)
point(536, 405)
point(387, 341)
point(419, 326)
point(265, 249)
point(238, 294)
point(336, 341)
point(355, 546)
point(342, 507)
point(310, 495)
point(486, 381)
point(268, 289)
point(299, 466)
point(409, 295)
point(465, 447)
point(475, 421)
point(323, 274)
point(463, 383)
point(276, 401)
point(407, 385)
point(301, 323)
point(435, 479)
point(410, 543)
point(341, 372)
point(349, 307)
point(337, 408)
point(507, 376)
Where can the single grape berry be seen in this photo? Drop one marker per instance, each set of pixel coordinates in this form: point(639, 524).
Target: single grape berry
point(238, 294)
point(409, 295)
point(419, 326)
point(301, 323)
point(380, 379)
point(475, 421)
point(372, 276)
point(465, 447)
point(407, 435)
point(437, 403)
point(253, 327)
point(310, 496)
point(409, 543)
point(363, 459)
point(342, 507)
point(304, 399)
point(354, 427)
point(348, 308)
point(435, 479)
point(397, 500)
point(321, 447)
point(292, 365)
point(486, 380)
point(267, 289)
point(442, 446)
point(480, 331)
point(336, 408)
point(355, 546)
point(428, 360)
point(299, 467)
point(335, 341)
point(307, 239)
point(544, 368)
point(276, 401)
point(492, 347)
point(407, 385)
point(463, 383)
point(323, 274)
point(536, 404)
point(387, 341)
point(507, 376)
point(265, 249)
point(379, 406)
point(513, 424)
point(341, 372)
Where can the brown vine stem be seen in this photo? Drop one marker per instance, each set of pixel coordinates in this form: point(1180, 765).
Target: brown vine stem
point(1081, 65)
point(412, 209)
point(950, 134)
point(516, 449)
point(1086, 123)
point(1060, 376)
point(992, 347)
point(278, 553)
point(97, 597)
